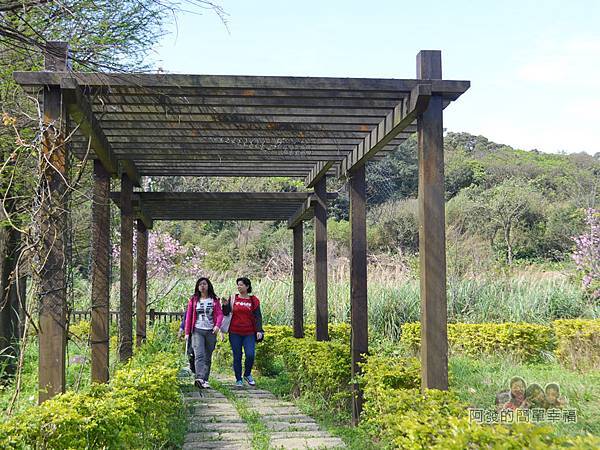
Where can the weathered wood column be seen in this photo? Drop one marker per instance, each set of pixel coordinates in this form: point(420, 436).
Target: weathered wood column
point(126, 297)
point(99, 333)
point(358, 281)
point(322, 319)
point(142, 288)
point(298, 280)
point(52, 229)
point(9, 300)
point(432, 241)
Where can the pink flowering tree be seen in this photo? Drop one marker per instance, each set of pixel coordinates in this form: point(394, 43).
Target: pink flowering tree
point(587, 254)
point(167, 257)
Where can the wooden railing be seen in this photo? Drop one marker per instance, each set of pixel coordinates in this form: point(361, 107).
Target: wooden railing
point(153, 316)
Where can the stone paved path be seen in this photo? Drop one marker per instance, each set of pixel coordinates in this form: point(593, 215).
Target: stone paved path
point(215, 423)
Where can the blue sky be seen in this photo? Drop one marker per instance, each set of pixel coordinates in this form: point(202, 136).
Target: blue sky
point(534, 66)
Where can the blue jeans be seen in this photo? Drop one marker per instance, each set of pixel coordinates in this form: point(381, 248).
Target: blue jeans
point(238, 341)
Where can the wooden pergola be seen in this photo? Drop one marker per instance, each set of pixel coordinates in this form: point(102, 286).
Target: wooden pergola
point(136, 125)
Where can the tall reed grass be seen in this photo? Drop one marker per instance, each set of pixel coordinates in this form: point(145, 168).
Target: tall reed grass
point(394, 301)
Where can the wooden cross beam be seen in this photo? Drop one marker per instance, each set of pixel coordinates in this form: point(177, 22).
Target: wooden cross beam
point(81, 112)
point(317, 172)
point(397, 120)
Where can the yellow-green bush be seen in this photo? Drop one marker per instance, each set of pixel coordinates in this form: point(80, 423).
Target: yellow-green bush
point(140, 408)
point(81, 329)
point(318, 368)
point(268, 352)
point(410, 419)
point(391, 372)
point(578, 343)
point(526, 341)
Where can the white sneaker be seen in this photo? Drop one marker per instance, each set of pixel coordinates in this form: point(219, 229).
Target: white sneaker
point(205, 384)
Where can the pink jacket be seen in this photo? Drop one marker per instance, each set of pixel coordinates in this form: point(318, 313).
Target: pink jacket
point(190, 315)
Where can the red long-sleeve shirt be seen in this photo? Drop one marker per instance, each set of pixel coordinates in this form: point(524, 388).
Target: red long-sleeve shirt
point(246, 314)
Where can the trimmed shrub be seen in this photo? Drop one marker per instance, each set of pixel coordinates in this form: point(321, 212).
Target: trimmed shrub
point(139, 408)
point(318, 368)
point(391, 372)
point(410, 419)
point(578, 343)
point(526, 341)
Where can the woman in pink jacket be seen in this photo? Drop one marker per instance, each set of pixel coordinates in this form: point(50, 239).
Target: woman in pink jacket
point(202, 323)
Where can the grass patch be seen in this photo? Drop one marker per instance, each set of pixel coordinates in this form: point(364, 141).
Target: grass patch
point(477, 381)
point(261, 437)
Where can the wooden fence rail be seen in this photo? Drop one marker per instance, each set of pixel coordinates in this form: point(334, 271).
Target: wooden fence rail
point(153, 316)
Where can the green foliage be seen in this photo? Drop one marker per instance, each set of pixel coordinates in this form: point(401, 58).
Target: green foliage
point(391, 372)
point(319, 368)
point(141, 407)
point(395, 226)
point(525, 341)
point(411, 419)
point(578, 343)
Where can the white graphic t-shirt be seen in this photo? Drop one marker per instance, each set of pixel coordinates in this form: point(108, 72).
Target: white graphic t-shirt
point(204, 314)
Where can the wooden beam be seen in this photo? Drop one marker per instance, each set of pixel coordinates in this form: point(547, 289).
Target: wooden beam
point(81, 112)
point(317, 172)
point(359, 312)
point(140, 81)
point(126, 290)
point(298, 281)
point(432, 245)
point(142, 276)
point(142, 214)
point(53, 192)
point(322, 313)
point(261, 126)
point(304, 212)
point(99, 332)
point(395, 122)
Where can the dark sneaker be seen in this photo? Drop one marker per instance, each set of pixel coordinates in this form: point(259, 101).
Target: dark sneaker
point(239, 383)
point(250, 380)
point(205, 385)
point(199, 383)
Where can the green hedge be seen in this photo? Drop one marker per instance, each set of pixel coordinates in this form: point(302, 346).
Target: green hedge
point(578, 343)
point(574, 342)
point(269, 352)
point(396, 414)
point(526, 341)
point(410, 419)
point(141, 407)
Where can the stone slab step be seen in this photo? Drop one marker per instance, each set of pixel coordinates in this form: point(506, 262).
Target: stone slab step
point(316, 443)
point(300, 434)
point(245, 445)
point(217, 427)
point(207, 436)
point(287, 426)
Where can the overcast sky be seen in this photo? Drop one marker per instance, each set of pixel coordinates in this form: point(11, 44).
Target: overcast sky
point(534, 66)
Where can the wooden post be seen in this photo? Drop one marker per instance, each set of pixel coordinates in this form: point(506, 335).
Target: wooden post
point(142, 273)
point(298, 281)
point(99, 333)
point(358, 282)
point(152, 317)
point(52, 226)
point(322, 326)
point(9, 299)
point(432, 241)
point(126, 300)
point(21, 295)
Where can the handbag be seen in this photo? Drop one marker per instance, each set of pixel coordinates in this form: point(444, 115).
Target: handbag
point(227, 318)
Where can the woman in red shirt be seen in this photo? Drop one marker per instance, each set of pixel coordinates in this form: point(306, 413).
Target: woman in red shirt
point(244, 330)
